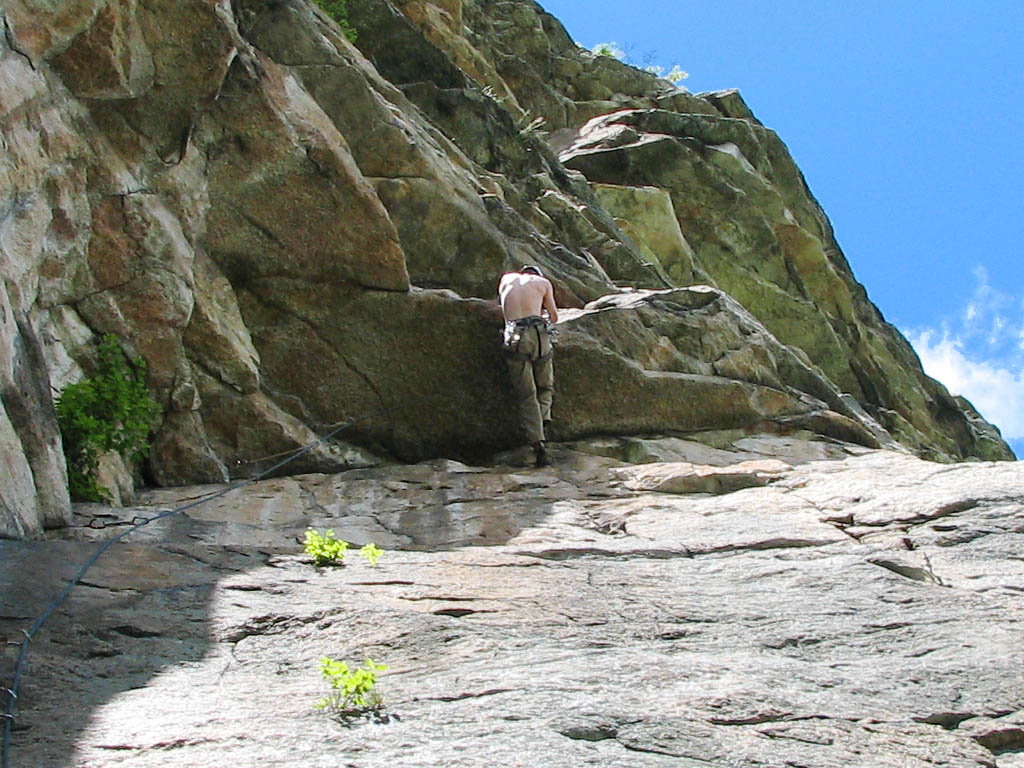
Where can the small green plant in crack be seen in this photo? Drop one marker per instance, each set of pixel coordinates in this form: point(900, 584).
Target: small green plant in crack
point(109, 411)
point(338, 10)
point(325, 548)
point(353, 691)
point(371, 553)
point(611, 50)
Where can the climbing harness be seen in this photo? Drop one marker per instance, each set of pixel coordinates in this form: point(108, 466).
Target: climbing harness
point(514, 331)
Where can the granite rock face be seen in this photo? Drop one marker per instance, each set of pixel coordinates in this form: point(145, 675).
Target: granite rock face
point(759, 235)
point(771, 601)
point(737, 558)
point(297, 232)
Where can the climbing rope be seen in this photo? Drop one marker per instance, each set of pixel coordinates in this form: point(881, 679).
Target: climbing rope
point(12, 692)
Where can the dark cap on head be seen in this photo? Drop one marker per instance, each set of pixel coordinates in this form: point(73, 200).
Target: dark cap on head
point(532, 269)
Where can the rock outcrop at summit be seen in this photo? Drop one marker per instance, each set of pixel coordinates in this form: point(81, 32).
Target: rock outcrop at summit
point(295, 232)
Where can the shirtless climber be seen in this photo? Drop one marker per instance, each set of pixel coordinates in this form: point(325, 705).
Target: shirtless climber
point(528, 306)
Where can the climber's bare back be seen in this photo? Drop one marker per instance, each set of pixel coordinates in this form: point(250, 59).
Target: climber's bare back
point(525, 295)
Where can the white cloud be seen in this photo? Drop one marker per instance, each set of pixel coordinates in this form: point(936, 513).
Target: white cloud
point(979, 353)
point(994, 389)
point(988, 318)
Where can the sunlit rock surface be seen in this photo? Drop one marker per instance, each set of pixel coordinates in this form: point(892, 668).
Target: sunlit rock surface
point(862, 608)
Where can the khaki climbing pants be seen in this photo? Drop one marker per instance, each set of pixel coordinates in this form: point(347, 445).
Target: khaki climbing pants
point(528, 353)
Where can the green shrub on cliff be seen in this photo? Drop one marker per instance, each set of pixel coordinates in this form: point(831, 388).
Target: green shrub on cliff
point(353, 691)
point(338, 10)
point(327, 549)
point(612, 50)
point(110, 411)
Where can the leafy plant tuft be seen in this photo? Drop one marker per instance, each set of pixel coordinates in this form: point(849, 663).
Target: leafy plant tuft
point(371, 552)
point(353, 691)
point(325, 548)
point(110, 411)
point(612, 50)
point(338, 10)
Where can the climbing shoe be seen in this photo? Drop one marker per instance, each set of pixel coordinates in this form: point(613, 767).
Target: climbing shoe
point(540, 455)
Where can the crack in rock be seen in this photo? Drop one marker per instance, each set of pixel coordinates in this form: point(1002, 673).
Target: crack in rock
point(458, 613)
point(131, 630)
point(272, 624)
point(925, 575)
point(1002, 741)
point(585, 552)
point(161, 745)
point(468, 695)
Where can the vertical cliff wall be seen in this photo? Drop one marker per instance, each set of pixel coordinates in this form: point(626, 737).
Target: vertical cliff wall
point(294, 231)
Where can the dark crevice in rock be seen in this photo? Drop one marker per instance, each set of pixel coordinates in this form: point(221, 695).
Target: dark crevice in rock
point(511, 565)
point(791, 642)
point(106, 587)
point(887, 627)
point(574, 554)
point(1003, 741)
point(948, 720)
point(160, 745)
point(458, 613)
point(273, 624)
point(633, 747)
point(961, 505)
point(760, 719)
point(437, 598)
point(767, 544)
point(372, 179)
point(928, 565)
point(474, 695)
point(9, 35)
point(130, 630)
point(683, 552)
point(925, 575)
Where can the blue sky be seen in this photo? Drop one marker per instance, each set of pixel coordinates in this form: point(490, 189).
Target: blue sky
point(906, 119)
